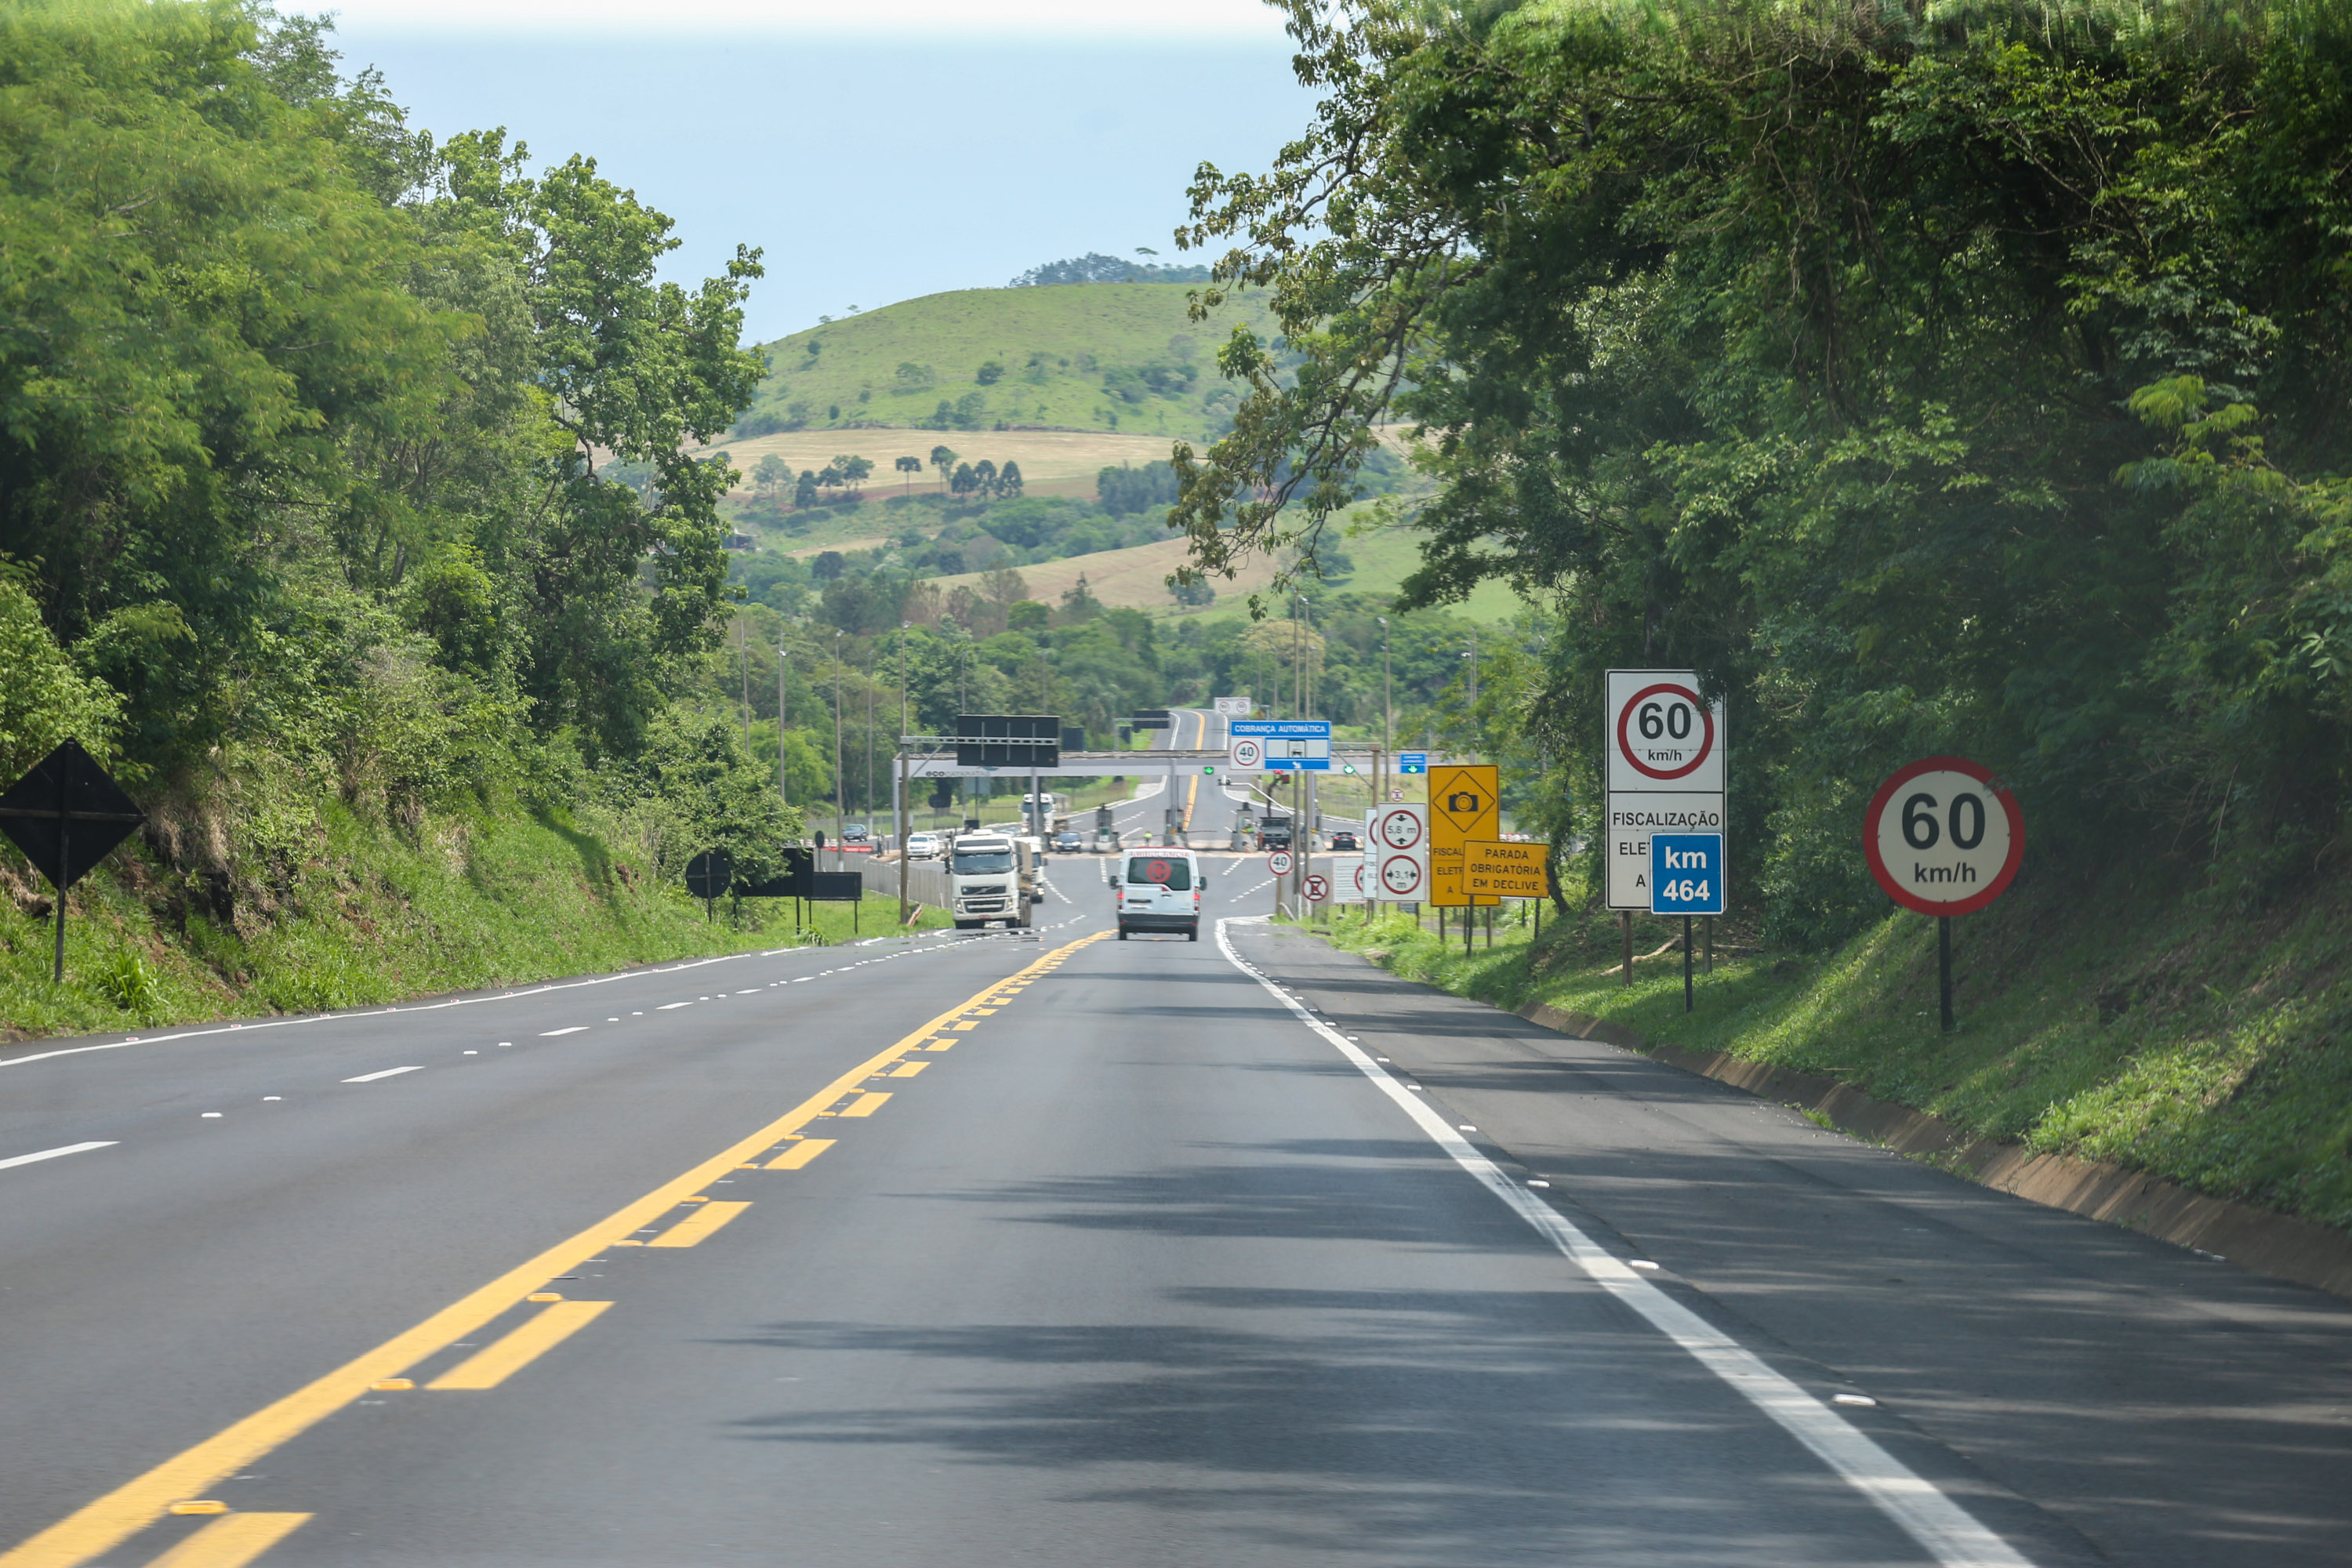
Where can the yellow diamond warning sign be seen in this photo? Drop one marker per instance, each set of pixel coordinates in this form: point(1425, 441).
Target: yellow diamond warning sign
point(1501, 869)
point(1461, 808)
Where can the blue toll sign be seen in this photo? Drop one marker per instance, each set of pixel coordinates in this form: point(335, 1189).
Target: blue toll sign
point(1412, 761)
point(1686, 873)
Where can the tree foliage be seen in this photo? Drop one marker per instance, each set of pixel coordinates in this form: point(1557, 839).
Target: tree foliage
point(331, 457)
point(1931, 378)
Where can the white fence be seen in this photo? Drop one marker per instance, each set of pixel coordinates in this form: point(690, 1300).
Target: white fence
point(926, 881)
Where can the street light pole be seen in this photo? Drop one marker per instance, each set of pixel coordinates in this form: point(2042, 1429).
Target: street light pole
point(783, 784)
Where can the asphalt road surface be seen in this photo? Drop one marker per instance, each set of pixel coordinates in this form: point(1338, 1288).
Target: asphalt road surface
point(982, 1251)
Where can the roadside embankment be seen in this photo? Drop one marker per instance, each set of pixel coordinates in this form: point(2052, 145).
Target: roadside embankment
point(368, 914)
point(2186, 1076)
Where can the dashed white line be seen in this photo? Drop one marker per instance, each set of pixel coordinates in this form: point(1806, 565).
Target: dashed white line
point(388, 1072)
point(667, 1006)
point(58, 1153)
point(550, 1034)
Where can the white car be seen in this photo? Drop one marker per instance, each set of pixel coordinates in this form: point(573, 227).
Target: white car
point(923, 846)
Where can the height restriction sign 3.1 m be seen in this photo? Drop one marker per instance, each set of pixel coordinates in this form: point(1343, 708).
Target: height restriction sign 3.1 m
point(1665, 751)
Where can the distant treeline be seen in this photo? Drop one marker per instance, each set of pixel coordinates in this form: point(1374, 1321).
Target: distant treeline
point(1095, 268)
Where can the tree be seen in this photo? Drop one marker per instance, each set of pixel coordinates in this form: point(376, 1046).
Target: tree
point(805, 492)
point(990, 373)
point(772, 476)
point(2028, 439)
point(854, 470)
point(1008, 480)
point(943, 459)
point(964, 482)
point(1028, 616)
point(1003, 586)
point(828, 565)
point(909, 467)
point(983, 475)
point(1079, 603)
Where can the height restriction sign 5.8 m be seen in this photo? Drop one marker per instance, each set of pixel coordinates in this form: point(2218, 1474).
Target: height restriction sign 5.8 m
point(1666, 748)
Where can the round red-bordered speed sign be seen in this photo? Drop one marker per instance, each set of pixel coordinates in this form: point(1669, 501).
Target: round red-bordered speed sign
point(1399, 829)
point(1278, 861)
point(1625, 746)
point(1933, 843)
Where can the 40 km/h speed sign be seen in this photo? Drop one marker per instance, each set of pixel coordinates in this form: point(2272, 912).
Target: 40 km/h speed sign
point(1943, 837)
point(1279, 862)
point(1248, 755)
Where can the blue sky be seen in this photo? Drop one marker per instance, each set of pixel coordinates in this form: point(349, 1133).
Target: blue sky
point(913, 155)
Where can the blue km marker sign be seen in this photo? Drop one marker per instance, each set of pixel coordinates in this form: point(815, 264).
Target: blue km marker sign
point(1685, 873)
point(1412, 761)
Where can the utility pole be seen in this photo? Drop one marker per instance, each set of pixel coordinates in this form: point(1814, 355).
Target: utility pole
point(840, 810)
point(869, 742)
point(784, 784)
point(743, 658)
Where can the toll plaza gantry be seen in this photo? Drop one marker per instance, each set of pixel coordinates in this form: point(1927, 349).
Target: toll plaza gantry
point(923, 759)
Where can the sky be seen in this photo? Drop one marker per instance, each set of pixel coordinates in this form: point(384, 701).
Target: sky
point(873, 152)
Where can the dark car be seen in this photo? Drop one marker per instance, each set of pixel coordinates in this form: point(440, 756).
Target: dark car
point(1069, 841)
point(854, 833)
point(1345, 841)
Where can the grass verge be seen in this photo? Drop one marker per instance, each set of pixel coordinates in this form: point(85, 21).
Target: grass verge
point(2212, 1052)
point(371, 917)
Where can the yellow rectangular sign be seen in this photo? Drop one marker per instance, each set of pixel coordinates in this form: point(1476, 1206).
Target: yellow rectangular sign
point(1463, 809)
point(1505, 870)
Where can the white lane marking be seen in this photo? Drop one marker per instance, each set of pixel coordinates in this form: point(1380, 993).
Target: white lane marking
point(388, 1072)
point(667, 1006)
point(1947, 1532)
point(550, 1034)
point(58, 1153)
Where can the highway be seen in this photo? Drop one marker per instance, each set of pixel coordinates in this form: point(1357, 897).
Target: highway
point(1053, 1250)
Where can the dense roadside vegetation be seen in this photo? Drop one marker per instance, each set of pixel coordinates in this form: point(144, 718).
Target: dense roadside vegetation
point(1931, 379)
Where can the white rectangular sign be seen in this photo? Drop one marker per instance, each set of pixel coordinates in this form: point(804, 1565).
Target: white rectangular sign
point(1232, 706)
point(1396, 851)
point(1665, 750)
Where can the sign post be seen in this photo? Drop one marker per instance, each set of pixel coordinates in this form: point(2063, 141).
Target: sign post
point(1665, 774)
point(1397, 854)
point(1687, 878)
point(1944, 837)
point(67, 816)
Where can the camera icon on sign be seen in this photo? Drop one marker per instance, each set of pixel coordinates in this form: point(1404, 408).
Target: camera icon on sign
point(1463, 801)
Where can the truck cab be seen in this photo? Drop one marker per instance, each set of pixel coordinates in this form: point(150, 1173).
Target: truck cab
point(990, 877)
point(1274, 832)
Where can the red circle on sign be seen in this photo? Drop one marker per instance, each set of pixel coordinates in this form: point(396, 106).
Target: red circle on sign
point(1983, 775)
point(1411, 822)
point(1278, 862)
point(1155, 871)
point(1625, 717)
point(1317, 889)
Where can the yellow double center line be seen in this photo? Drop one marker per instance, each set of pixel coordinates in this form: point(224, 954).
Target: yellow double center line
point(102, 1525)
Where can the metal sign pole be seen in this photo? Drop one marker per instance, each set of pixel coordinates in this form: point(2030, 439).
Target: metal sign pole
point(1943, 964)
point(903, 862)
point(65, 858)
point(1687, 964)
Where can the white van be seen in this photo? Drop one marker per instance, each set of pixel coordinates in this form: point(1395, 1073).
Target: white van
point(1157, 890)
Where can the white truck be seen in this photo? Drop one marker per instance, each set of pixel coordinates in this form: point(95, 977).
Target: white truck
point(993, 876)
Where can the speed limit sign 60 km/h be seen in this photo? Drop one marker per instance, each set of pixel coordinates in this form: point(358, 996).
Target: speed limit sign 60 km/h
point(1943, 837)
point(1279, 862)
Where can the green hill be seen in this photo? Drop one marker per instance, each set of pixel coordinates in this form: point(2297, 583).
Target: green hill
point(1084, 356)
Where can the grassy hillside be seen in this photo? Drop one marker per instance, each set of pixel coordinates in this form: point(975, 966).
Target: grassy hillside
point(1084, 356)
point(2171, 1033)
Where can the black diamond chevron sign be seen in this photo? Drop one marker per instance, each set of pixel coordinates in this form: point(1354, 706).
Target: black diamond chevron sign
point(66, 815)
